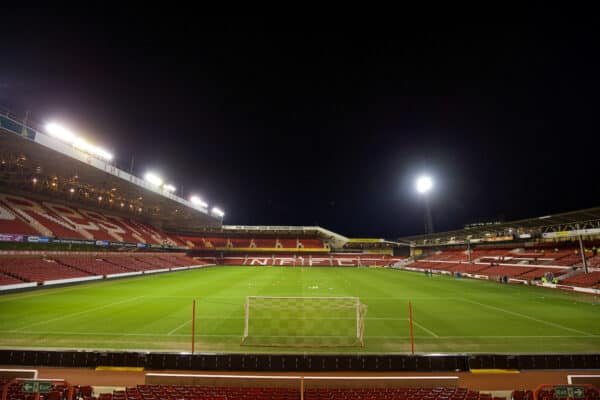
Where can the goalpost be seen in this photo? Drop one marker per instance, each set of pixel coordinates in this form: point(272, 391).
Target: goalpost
point(304, 321)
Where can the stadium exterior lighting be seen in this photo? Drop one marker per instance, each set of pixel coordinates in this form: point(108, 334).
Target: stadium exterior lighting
point(169, 188)
point(424, 184)
point(91, 149)
point(60, 133)
point(218, 212)
point(65, 135)
point(198, 201)
point(72, 190)
point(153, 179)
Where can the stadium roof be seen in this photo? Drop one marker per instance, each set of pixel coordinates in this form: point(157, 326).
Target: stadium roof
point(37, 164)
point(524, 228)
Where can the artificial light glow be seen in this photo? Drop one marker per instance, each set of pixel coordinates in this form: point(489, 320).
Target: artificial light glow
point(198, 201)
point(153, 179)
point(216, 211)
point(34, 180)
point(424, 184)
point(72, 190)
point(88, 148)
point(67, 136)
point(60, 133)
point(169, 188)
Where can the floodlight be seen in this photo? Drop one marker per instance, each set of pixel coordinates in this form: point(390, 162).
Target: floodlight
point(60, 133)
point(153, 178)
point(424, 184)
point(216, 211)
point(198, 201)
point(81, 144)
point(67, 136)
point(169, 188)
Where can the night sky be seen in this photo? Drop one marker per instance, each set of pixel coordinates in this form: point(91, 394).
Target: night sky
point(320, 122)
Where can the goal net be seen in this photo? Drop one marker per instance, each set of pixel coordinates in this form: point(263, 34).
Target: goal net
point(304, 321)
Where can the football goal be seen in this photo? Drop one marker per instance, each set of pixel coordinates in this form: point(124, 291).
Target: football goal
point(304, 321)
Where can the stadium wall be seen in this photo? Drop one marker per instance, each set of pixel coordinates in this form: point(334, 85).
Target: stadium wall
point(297, 363)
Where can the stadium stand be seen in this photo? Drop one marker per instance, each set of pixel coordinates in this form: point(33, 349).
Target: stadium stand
point(590, 393)
point(14, 391)
point(212, 242)
point(168, 392)
point(8, 280)
point(20, 215)
point(316, 260)
point(505, 271)
point(36, 269)
point(176, 260)
point(92, 265)
point(14, 270)
point(537, 273)
point(526, 272)
point(138, 263)
point(584, 280)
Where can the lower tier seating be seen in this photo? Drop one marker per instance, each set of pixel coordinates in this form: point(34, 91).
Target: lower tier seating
point(8, 280)
point(170, 392)
point(39, 269)
point(585, 280)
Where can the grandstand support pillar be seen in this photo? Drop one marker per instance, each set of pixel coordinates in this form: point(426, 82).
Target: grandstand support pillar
point(581, 248)
point(469, 250)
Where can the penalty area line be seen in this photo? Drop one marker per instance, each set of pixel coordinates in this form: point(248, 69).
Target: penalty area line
point(171, 332)
point(432, 333)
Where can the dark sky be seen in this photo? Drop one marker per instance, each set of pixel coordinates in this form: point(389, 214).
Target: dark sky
point(321, 122)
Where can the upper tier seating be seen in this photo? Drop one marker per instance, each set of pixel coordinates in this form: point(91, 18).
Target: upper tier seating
point(311, 243)
point(20, 215)
point(212, 242)
point(566, 256)
point(449, 255)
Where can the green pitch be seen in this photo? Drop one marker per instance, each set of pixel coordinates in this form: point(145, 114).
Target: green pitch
point(154, 312)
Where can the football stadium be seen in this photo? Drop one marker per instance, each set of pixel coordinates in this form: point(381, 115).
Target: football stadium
point(106, 272)
point(295, 206)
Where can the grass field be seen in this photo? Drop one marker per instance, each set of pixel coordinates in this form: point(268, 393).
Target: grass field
point(154, 312)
